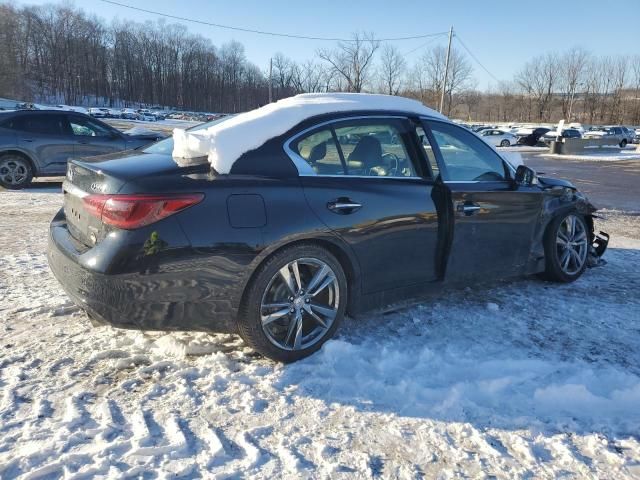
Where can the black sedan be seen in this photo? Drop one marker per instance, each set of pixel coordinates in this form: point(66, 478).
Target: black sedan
point(344, 213)
point(38, 143)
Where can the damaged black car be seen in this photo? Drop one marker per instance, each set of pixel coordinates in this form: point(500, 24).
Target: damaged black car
point(344, 212)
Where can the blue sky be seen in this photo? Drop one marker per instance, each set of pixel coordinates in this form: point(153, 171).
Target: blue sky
point(502, 36)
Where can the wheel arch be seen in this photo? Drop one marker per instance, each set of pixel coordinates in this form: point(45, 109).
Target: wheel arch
point(333, 245)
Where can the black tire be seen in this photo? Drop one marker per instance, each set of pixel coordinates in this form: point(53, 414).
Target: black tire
point(249, 315)
point(553, 268)
point(623, 143)
point(16, 171)
point(505, 143)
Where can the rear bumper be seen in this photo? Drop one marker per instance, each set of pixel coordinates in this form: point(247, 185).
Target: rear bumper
point(151, 298)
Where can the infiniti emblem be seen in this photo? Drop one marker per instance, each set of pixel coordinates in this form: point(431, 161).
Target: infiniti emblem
point(97, 187)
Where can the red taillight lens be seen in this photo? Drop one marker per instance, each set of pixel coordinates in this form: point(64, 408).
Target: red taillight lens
point(135, 211)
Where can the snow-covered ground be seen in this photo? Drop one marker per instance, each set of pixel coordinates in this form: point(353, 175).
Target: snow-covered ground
point(520, 380)
point(630, 152)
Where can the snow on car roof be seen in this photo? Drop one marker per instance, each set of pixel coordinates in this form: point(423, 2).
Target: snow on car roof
point(227, 141)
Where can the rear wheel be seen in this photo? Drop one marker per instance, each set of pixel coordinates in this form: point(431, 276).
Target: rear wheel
point(566, 246)
point(15, 171)
point(623, 143)
point(294, 303)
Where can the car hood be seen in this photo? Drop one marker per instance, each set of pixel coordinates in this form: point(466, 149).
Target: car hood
point(549, 182)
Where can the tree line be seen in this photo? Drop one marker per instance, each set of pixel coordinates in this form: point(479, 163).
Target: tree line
point(60, 54)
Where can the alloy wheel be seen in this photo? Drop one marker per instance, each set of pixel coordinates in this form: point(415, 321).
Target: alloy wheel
point(572, 244)
point(13, 171)
point(300, 304)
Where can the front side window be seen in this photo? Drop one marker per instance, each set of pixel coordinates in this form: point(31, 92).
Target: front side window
point(466, 157)
point(87, 128)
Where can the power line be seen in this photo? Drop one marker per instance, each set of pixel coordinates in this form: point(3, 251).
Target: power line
point(424, 44)
point(263, 32)
point(457, 37)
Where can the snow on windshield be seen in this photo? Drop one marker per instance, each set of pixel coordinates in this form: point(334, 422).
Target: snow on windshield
point(224, 143)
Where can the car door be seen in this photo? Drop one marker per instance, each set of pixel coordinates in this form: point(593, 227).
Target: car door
point(364, 179)
point(493, 219)
point(48, 139)
point(94, 138)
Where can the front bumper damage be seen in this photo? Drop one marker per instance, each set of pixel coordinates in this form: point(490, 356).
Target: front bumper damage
point(596, 250)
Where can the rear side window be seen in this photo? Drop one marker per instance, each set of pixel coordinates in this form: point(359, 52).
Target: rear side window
point(320, 151)
point(466, 158)
point(375, 147)
point(41, 124)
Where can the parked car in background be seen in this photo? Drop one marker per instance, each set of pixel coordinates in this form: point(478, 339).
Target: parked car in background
point(280, 242)
point(38, 143)
point(128, 114)
point(532, 138)
point(552, 135)
point(498, 138)
point(99, 112)
point(630, 134)
point(145, 115)
point(159, 114)
point(610, 132)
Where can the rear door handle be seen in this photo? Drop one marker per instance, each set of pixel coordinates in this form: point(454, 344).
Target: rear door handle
point(344, 206)
point(468, 208)
point(29, 140)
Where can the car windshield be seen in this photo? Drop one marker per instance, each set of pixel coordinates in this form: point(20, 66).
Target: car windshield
point(166, 146)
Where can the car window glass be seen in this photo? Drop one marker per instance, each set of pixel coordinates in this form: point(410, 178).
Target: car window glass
point(375, 149)
point(465, 156)
point(86, 128)
point(428, 150)
point(42, 124)
point(319, 150)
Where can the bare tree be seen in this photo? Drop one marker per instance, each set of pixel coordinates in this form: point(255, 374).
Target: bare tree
point(635, 109)
point(539, 78)
point(392, 67)
point(573, 65)
point(352, 60)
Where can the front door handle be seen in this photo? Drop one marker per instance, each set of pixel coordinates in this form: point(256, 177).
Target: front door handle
point(28, 140)
point(468, 208)
point(343, 206)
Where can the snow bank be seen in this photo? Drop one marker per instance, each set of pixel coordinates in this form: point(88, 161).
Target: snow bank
point(225, 142)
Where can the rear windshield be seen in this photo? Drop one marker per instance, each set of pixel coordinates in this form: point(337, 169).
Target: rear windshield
point(165, 146)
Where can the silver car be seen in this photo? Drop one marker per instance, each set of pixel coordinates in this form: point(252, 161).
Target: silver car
point(38, 143)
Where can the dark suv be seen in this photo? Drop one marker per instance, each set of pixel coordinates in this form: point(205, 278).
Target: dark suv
point(38, 143)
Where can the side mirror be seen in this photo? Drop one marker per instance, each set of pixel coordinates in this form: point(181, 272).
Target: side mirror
point(526, 176)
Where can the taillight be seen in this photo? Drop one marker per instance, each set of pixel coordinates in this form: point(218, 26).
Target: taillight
point(135, 211)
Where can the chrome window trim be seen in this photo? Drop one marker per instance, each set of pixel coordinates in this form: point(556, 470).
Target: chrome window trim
point(305, 170)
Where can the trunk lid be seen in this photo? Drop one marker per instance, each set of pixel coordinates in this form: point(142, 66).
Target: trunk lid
point(107, 174)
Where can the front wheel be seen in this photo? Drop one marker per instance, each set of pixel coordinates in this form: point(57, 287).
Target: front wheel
point(15, 172)
point(623, 143)
point(566, 246)
point(294, 303)
point(505, 143)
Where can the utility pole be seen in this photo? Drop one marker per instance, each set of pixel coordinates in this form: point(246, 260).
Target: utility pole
point(446, 70)
point(270, 80)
